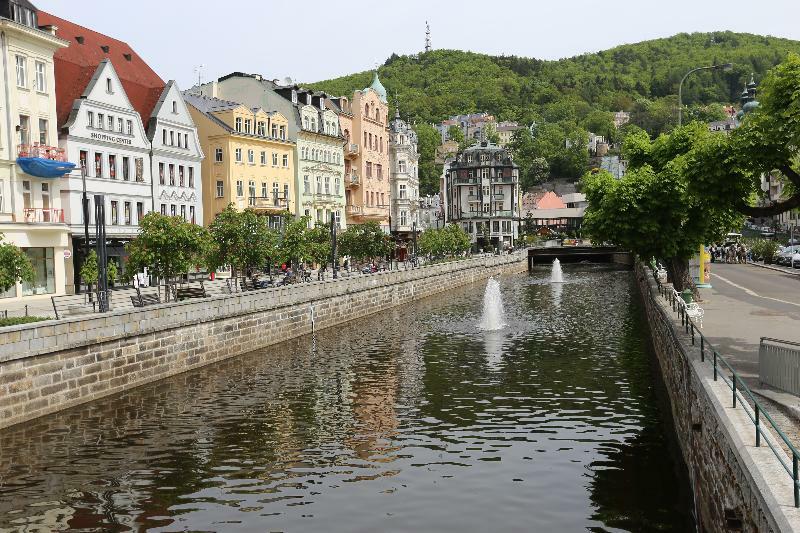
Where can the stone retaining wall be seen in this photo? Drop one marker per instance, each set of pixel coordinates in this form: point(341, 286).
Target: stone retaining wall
point(49, 366)
point(737, 486)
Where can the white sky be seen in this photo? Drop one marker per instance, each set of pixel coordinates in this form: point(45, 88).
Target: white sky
point(314, 40)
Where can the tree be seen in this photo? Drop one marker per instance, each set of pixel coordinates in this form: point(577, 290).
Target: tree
point(455, 133)
point(319, 244)
point(449, 241)
point(428, 139)
point(294, 246)
point(241, 239)
point(490, 134)
point(15, 266)
point(654, 210)
point(90, 272)
point(364, 241)
point(167, 246)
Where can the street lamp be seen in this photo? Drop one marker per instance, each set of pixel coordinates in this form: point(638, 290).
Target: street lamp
point(725, 66)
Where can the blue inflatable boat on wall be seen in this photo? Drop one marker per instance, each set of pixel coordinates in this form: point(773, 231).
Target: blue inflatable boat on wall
point(45, 168)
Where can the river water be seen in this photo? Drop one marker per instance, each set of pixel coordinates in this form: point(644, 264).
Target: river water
point(410, 420)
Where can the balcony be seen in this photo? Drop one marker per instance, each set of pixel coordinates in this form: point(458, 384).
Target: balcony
point(38, 215)
point(53, 153)
point(269, 204)
point(351, 150)
point(355, 210)
point(352, 179)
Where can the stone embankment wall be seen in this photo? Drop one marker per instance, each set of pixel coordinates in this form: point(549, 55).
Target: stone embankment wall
point(49, 366)
point(737, 486)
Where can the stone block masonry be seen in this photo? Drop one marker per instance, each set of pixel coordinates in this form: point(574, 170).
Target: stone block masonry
point(49, 366)
point(737, 486)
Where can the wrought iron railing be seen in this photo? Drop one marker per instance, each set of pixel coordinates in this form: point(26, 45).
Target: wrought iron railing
point(740, 392)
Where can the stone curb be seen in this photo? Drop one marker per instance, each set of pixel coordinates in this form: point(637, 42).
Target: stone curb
point(776, 269)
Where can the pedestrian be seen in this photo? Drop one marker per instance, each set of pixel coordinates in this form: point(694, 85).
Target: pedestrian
point(712, 252)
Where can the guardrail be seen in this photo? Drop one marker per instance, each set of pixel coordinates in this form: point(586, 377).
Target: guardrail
point(740, 393)
point(779, 364)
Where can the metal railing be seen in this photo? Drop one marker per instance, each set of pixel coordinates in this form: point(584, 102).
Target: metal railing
point(40, 215)
point(779, 364)
point(740, 393)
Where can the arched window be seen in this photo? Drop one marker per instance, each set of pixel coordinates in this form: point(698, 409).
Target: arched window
point(313, 124)
point(366, 109)
point(347, 135)
point(365, 139)
point(377, 115)
point(305, 122)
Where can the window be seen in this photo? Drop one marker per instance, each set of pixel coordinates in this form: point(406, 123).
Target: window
point(119, 125)
point(261, 128)
point(127, 213)
point(275, 130)
point(183, 212)
point(22, 71)
point(238, 153)
point(327, 185)
point(218, 155)
point(336, 186)
point(285, 160)
point(220, 189)
point(274, 159)
point(126, 170)
point(27, 202)
point(251, 191)
point(24, 129)
point(239, 188)
point(110, 123)
point(496, 226)
point(164, 136)
point(181, 176)
point(43, 263)
point(238, 123)
point(98, 165)
point(319, 185)
point(263, 158)
point(43, 127)
point(401, 166)
point(139, 211)
point(402, 192)
point(171, 138)
point(175, 107)
point(248, 123)
point(114, 212)
point(161, 179)
point(383, 201)
point(90, 119)
point(112, 166)
point(109, 87)
point(379, 171)
point(191, 215)
point(172, 174)
point(164, 209)
point(186, 140)
point(173, 211)
point(282, 133)
point(286, 194)
point(369, 169)
point(101, 121)
point(403, 218)
point(41, 78)
point(313, 124)
point(83, 157)
point(305, 123)
point(275, 194)
point(263, 189)
point(251, 157)
point(306, 185)
point(191, 177)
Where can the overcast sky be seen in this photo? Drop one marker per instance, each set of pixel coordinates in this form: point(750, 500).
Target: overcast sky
point(314, 40)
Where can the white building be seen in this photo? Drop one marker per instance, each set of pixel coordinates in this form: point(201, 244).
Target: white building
point(430, 214)
point(31, 214)
point(176, 158)
point(105, 134)
point(403, 178)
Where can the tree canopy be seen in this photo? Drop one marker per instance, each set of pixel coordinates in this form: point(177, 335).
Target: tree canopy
point(241, 239)
point(364, 241)
point(15, 266)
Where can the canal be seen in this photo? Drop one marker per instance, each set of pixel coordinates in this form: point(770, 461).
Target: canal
point(410, 420)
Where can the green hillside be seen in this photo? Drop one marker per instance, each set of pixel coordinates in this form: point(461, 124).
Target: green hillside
point(572, 95)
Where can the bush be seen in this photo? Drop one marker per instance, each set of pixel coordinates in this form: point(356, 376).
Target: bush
point(16, 320)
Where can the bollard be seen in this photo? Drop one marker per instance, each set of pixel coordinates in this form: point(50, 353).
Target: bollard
point(26, 309)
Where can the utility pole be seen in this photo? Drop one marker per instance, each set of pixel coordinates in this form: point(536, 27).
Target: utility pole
point(333, 246)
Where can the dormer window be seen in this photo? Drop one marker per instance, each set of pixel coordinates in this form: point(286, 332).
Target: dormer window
point(322, 103)
point(294, 96)
point(109, 87)
point(238, 123)
point(308, 99)
point(128, 57)
point(23, 15)
point(79, 39)
point(175, 107)
point(104, 48)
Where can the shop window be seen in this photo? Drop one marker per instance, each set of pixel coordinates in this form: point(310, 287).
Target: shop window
point(44, 281)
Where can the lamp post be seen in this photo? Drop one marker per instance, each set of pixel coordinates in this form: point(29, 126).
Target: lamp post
point(725, 66)
point(334, 265)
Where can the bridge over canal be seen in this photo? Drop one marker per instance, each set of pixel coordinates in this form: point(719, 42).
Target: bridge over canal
point(579, 254)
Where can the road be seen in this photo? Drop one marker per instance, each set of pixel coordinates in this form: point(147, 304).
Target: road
point(746, 303)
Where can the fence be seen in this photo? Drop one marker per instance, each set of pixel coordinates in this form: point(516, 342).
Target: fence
point(779, 364)
point(741, 396)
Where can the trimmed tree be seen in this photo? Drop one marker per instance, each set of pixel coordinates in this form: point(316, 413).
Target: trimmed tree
point(241, 239)
point(15, 266)
point(365, 241)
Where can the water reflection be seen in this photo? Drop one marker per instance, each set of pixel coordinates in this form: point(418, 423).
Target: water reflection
point(411, 420)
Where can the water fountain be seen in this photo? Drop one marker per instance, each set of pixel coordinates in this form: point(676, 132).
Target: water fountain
point(493, 314)
point(555, 274)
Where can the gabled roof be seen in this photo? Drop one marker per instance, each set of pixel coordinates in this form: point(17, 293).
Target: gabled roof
point(76, 64)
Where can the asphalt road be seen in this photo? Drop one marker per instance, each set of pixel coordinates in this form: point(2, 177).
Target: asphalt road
point(746, 303)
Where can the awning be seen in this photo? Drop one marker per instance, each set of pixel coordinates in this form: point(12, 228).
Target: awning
point(44, 168)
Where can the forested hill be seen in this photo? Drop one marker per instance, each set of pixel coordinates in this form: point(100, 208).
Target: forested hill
point(434, 85)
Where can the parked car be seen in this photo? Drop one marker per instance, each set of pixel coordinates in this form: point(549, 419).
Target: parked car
point(785, 255)
point(796, 260)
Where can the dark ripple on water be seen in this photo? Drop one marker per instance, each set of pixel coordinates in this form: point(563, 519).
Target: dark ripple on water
point(412, 420)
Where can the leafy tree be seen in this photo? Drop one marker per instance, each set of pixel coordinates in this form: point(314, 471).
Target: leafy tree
point(294, 247)
point(241, 239)
point(601, 123)
point(428, 139)
point(167, 246)
point(90, 271)
point(450, 241)
point(364, 241)
point(455, 133)
point(490, 134)
point(15, 266)
point(319, 244)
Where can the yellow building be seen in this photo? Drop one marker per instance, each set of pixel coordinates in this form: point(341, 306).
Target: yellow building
point(249, 158)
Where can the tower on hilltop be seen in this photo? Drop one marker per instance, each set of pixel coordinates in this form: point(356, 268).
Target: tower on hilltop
point(427, 37)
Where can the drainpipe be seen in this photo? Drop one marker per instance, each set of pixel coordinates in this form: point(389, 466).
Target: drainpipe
point(9, 127)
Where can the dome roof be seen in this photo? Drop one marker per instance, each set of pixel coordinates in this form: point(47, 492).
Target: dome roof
point(750, 106)
point(378, 87)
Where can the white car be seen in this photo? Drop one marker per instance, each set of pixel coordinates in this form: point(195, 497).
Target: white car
point(796, 260)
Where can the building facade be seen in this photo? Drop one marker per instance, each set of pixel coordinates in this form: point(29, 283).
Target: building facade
point(482, 195)
point(404, 178)
point(31, 213)
point(249, 158)
point(319, 156)
point(176, 157)
point(371, 200)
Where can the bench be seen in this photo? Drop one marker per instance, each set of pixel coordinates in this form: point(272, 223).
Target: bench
point(692, 310)
point(143, 300)
point(185, 293)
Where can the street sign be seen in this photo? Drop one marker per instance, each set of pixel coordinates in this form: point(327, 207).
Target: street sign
point(67, 254)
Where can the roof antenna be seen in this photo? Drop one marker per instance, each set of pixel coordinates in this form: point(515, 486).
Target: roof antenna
point(199, 71)
point(428, 46)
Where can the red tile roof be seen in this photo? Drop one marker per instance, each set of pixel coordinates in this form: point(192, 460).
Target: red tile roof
point(76, 64)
